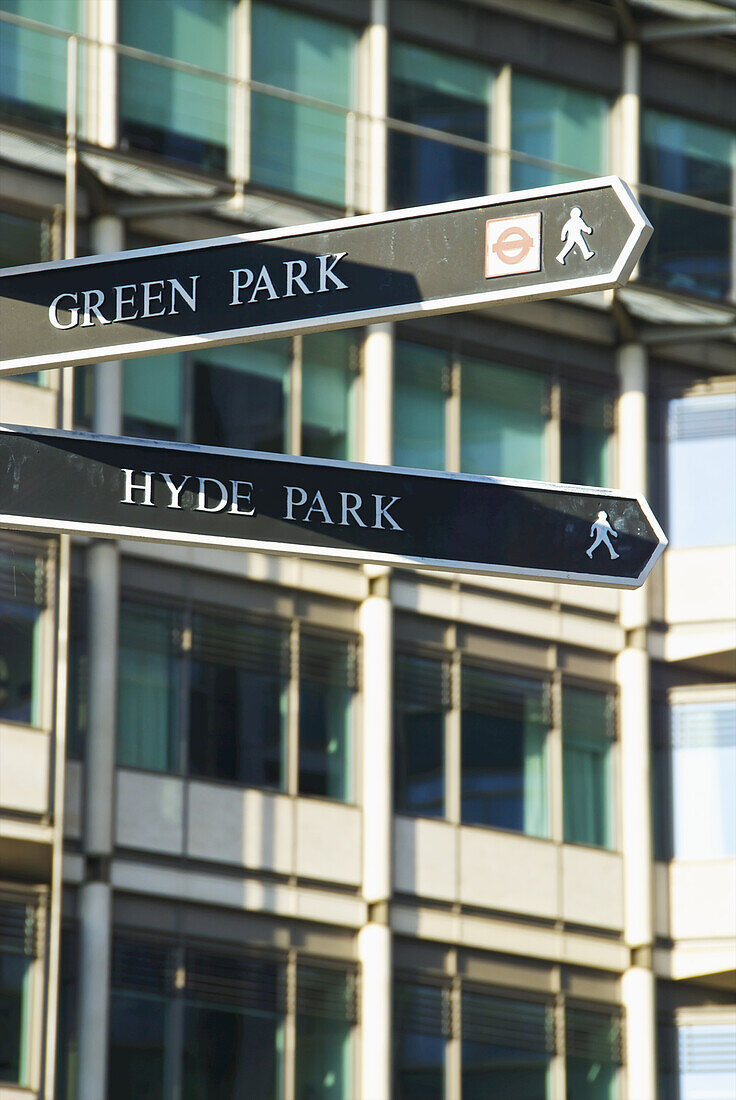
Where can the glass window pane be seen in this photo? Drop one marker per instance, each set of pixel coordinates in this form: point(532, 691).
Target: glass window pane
point(420, 1033)
point(419, 406)
point(703, 766)
point(14, 970)
point(229, 1053)
point(328, 415)
point(503, 420)
point(176, 114)
point(138, 1029)
point(323, 1035)
point(421, 700)
point(564, 125)
point(701, 438)
point(325, 717)
point(503, 753)
point(706, 1059)
point(152, 396)
point(439, 92)
point(296, 147)
point(33, 63)
point(241, 396)
point(587, 727)
point(18, 674)
point(148, 688)
point(506, 1047)
point(689, 248)
point(587, 420)
point(237, 705)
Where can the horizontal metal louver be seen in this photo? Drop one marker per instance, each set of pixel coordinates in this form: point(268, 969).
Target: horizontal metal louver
point(509, 697)
point(149, 629)
point(708, 1046)
point(422, 682)
point(141, 967)
point(23, 575)
point(594, 1033)
point(330, 992)
point(587, 405)
point(241, 644)
point(588, 714)
point(507, 1022)
point(239, 981)
point(326, 660)
point(706, 417)
point(703, 725)
point(422, 1007)
point(19, 927)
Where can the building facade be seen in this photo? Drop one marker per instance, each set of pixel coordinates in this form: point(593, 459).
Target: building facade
point(279, 828)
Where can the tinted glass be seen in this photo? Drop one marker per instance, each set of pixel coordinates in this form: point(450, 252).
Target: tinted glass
point(555, 123)
point(138, 1028)
point(503, 420)
point(152, 396)
point(18, 626)
point(327, 395)
point(148, 689)
point(419, 736)
point(421, 377)
point(587, 419)
point(241, 397)
point(33, 62)
point(587, 719)
point(323, 1035)
point(229, 1054)
point(13, 1037)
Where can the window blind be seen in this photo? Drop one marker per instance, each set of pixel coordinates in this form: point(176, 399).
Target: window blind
point(240, 981)
point(422, 1007)
point(242, 644)
point(141, 967)
point(706, 417)
point(509, 697)
point(594, 1033)
point(507, 1022)
point(23, 574)
point(422, 681)
point(20, 926)
point(330, 992)
point(328, 660)
point(709, 724)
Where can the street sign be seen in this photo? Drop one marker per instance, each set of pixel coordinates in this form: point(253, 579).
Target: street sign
point(73, 482)
point(540, 243)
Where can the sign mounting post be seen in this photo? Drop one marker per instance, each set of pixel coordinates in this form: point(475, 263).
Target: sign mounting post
point(542, 243)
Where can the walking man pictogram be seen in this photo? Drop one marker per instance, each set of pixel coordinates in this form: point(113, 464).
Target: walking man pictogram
point(572, 235)
point(602, 530)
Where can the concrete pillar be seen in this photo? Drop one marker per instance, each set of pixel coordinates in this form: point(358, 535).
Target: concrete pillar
point(638, 982)
point(98, 838)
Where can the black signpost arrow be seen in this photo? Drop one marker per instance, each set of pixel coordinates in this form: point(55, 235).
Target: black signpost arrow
point(54, 481)
point(540, 243)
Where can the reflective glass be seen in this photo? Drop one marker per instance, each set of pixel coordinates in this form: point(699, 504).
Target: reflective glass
point(556, 123)
point(148, 689)
point(13, 1016)
point(503, 420)
point(296, 147)
point(230, 1053)
point(440, 92)
point(588, 1079)
point(706, 1060)
point(22, 241)
point(328, 413)
point(690, 248)
point(323, 1036)
point(420, 1034)
point(586, 425)
point(587, 728)
point(703, 740)
point(241, 396)
point(419, 736)
point(138, 1030)
point(18, 673)
point(164, 111)
point(420, 375)
point(33, 63)
point(325, 718)
point(701, 470)
point(152, 396)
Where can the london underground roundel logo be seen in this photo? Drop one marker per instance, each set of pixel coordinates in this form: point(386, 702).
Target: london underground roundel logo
point(513, 245)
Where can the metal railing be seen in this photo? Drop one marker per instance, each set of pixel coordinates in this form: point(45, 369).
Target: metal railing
point(249, 133)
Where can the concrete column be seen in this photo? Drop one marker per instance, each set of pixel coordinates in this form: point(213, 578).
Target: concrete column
point(98, 837)
point(638, 982)
point(627, 152)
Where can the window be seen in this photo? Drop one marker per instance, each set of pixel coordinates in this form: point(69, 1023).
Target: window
point(701, 439)
point(18, 947)
point(503, 748)
point(690, 247)
point(697, 1053)
point(594, 1051)
point(165, 110)
point(565, 126)
point(422, 698)
point(33, 62)
point(298, 147)
point(507, 1045)
point(22, 599)
point(215, 1020)
point(460, 412)
point(695, 768)
point(22, 241)
point(587, 743)
point(439, 92)
point(286, 395)
point(421, 1028)
point(208, 694)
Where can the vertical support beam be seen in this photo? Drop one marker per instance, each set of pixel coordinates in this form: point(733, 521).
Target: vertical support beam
point(101, 69)
point(500, 135)
point(626, 154)
point(638, 982)
point(98, 838)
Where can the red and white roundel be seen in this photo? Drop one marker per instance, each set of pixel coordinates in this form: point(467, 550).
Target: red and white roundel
point(513, 245)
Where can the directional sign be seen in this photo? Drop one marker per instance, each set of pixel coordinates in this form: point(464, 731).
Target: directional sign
point(121, 488)
point(433, 259)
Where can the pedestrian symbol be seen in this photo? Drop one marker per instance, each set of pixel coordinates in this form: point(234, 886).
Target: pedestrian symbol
point(602, 530)
point(572, 236)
